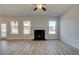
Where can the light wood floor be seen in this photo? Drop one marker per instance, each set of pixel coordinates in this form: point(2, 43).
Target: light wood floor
point(24, 47)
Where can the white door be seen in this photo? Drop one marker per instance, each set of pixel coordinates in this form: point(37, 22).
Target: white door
point(3, 30)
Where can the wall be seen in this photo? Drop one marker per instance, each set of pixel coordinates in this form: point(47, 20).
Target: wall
point(37, 22)
point(69, 26)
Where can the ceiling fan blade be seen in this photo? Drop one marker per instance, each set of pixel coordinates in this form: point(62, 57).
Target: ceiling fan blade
point(35, 9)
point(44, 8)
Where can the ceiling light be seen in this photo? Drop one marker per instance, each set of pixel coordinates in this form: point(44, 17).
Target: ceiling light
point(40, 7)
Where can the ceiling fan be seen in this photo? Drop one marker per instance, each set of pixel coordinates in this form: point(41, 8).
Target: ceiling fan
point(40, 7)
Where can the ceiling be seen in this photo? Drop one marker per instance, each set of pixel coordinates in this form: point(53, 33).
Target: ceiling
point(27, 10)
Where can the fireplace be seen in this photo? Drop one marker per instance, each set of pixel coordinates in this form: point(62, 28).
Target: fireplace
point(39, 34)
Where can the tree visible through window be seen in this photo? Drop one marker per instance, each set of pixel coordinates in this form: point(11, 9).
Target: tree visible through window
point(52, 27)
point(26, 25)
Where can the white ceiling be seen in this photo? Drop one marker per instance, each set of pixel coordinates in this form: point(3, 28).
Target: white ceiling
point(27, 10)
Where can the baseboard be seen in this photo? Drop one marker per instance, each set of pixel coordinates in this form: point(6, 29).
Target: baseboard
point(20, 39)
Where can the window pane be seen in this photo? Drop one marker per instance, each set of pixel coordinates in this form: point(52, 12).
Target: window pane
point(52, 23)
point(52, 27)
point(3, 30)
point(26, 25)
point(14, 27)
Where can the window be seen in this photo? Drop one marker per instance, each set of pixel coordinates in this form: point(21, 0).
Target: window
point(26, 25)
point(3, 30)
point(14, 27)
point(52, 27)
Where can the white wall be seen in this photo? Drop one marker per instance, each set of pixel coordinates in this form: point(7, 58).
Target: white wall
point(37, 22)
point(69, 26)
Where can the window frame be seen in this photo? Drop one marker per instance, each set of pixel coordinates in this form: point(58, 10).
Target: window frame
point(27, 28)
point(3, 30)
point(52, 26)
point(13, 27)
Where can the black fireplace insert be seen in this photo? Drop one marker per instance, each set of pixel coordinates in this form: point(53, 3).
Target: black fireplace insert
point(39, 35)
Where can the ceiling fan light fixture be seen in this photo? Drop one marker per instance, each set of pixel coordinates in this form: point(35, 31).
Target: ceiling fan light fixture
point(40, 7)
